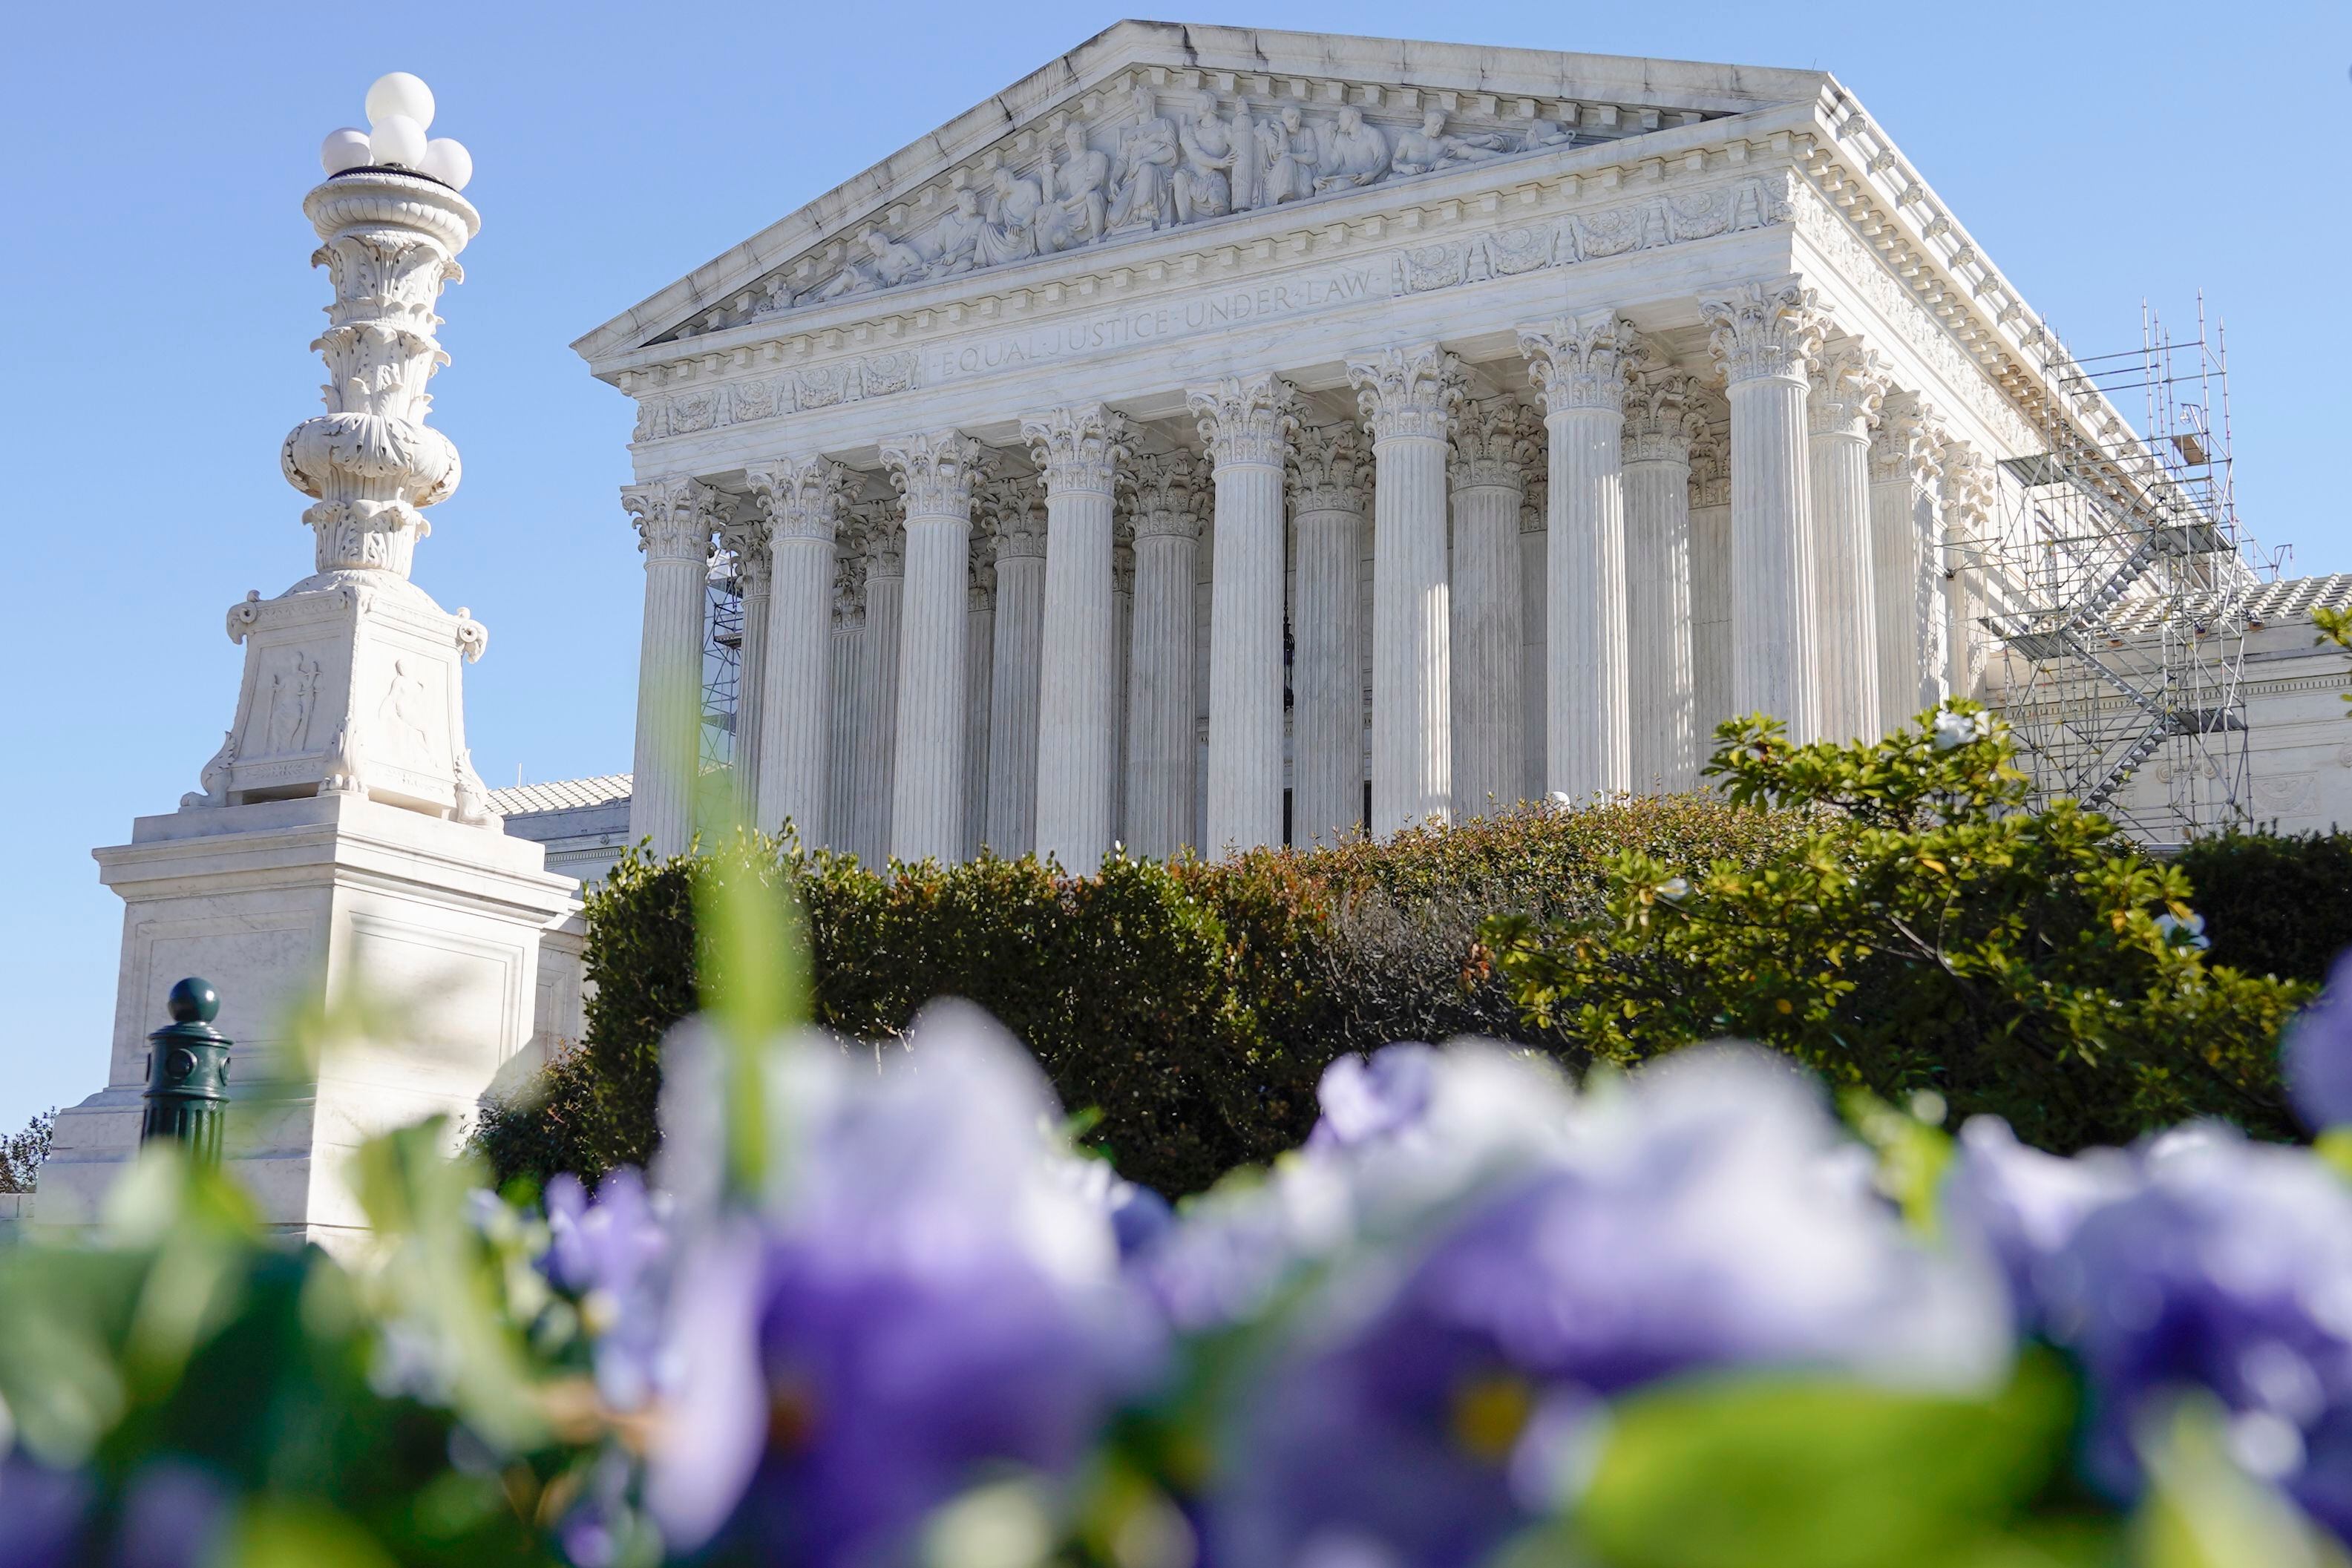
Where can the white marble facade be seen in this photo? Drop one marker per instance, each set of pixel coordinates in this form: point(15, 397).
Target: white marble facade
point(1227, 436)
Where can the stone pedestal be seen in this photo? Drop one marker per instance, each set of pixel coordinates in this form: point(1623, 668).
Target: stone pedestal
point(422, 935)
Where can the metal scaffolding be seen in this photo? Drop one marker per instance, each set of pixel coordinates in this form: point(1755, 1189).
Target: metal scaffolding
point(2116, 588)
point(723, 660)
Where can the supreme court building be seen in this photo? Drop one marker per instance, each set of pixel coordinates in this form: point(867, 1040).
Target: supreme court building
point(1225, 437)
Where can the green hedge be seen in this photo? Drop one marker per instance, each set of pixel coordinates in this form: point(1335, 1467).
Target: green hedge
point(1190, 1006)
point(2275, 903)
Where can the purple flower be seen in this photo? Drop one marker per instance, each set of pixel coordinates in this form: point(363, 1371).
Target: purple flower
point(1702, 1215)
point(2317, 1054)
point(926, 1297)
point(611, 1252)
point(43, 1513)
point(2228, 1267)
point(1363, 1099)
point(173, 1515)
point(2024, 1206)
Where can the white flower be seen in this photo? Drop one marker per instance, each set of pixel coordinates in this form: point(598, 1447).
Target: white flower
point(1560, 801)
point(1957, 729)
point(2188, 933)
point(1675, 888)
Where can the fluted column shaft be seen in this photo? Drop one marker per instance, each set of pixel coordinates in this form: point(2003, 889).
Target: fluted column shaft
point(1710, 579)
point(1330, 480)
point(1967, 496)
point(748, 545)
point(980, 674)
point(1078, 451)
point(1122, 649)
point(675, 519)
point(791, 672)
point(1847, 388)
point(1493, 445)
point(935, 472)
point(1581, 363)
point(1409, 397)
point(843, 725)
point(1172, 496)
point(1660, 680)
point(1763, 336)
point(1012, 694)
point(879, 652)
point(1906, 561)
point(1245, 423)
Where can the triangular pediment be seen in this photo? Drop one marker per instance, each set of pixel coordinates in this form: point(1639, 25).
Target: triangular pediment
point(1151, 127)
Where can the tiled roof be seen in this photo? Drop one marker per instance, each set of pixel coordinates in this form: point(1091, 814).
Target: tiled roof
point(560, 795)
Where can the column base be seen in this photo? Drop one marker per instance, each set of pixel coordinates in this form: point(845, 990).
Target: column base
point(425, 934)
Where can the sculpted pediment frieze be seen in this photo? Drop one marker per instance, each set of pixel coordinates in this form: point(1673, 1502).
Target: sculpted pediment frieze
point(1160, 148)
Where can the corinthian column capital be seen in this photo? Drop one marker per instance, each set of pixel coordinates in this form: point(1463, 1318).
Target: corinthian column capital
point(1078, 449)
point(935, 470)
point(802, 497)
point(1168, 495)
point(1407, 393)
point(1581, 361)
point(674, 518)
point(743, 533)
point(1762, 329)
point(1969, 488)
point(1245, 419)
point(1908, 443)
point(1848, 387)
point(1330, 471)
point(1015, 513)
point(1494, 443)
point(1662, 417)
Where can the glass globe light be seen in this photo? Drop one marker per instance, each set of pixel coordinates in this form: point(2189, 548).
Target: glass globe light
point(446, 159)
point(345, 148)
point(398, 140)
point(398, 93)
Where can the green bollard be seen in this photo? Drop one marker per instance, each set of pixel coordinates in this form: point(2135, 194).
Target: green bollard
point(187, 1075)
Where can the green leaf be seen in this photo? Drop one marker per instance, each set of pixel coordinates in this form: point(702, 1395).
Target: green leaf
point(1795, 1471)
point(289, 1534)
point(755, 986)
point(2202, 1511)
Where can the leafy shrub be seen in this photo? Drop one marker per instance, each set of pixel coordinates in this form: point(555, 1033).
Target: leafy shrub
point(21, 1154)
point(2277, 904)
point(1932, 935)
point(1189, 1005)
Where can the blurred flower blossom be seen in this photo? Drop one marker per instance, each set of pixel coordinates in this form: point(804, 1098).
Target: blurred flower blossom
point(2179, 932)
point(924, 1298)
point(2317, 1054)
point(1700, 1213)
point(610, 1253)
point(1955, 729)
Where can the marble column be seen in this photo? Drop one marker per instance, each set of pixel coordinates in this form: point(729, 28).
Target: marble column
point(1409, 397)
point(1495, 443)
point(1122, 645)
point(1905, 555)
point(1848, 385)
point(1762, 335)
point(1534, 544)
point(1969, 495)
point(1660, 420)
point(743, 535)
point(934, 471)
point(845, 718)
point(675, 519)
point(1015, 674)
point(1710, 555)
point(1580, 363)
point(1330, 475)
point(1245, 423)
point(979, 681)
point(801, 504)
point(1170, 496)
point(1078, 451)
point(878, 653)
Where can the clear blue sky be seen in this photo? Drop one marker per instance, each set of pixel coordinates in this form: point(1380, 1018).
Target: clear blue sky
point(160, 302)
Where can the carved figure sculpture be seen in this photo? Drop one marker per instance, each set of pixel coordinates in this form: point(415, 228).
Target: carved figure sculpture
point(1148, 155)
point(1204, 184)
point(1010, 232)
point(958, 236)
point(1546, 133)
point(1081, 190)
point(885, 264)
point(1289, 156)
point(1353, 153)
point(1418, 152)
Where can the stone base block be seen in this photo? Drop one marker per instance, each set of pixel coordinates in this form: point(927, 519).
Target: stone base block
point(421, 936)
